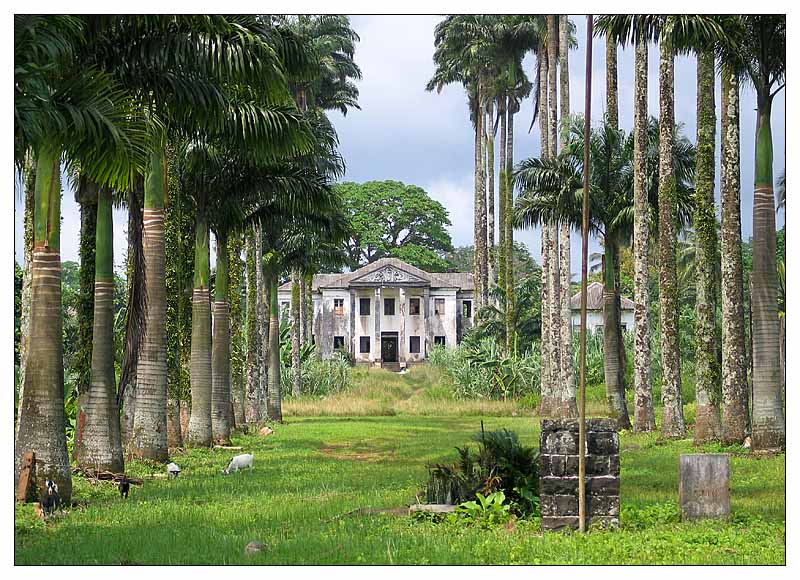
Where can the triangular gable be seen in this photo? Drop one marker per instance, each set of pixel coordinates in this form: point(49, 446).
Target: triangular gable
point(388, 275)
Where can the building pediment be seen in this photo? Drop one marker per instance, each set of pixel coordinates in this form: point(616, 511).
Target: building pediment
point(390, 275)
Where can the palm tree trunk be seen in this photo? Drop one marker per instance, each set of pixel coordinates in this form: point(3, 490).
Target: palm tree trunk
point(221, 349)
point(501, 186)
point(101, 446)
point(707, 426)
point(253, 368)
point(612, 97)
point(769, 425)
point(274, 411)
point(554, 282)
point(295, 330)
point(480, 204)
point(489, 133)
point(86, 196)
point(308, 307)
point(199, 431)
point(136, 311)
point(643, 414)
point(41, 417)
point(546, 388)
point(25, 315)
point(612, 363)
point(149, 438)
point(262, 326)
point(734, 366)
point(508, 225)
point(237, 324)
point(302, 309)
point(673, 425)
point(569, 406)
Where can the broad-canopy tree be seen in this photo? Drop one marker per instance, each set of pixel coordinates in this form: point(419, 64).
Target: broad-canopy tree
point(390, 218)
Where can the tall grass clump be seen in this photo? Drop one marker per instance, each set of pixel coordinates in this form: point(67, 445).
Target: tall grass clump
point(319, 378)
point(480, 368)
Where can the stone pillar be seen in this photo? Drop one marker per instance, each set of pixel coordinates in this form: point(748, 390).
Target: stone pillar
point(704, 487)
point(377, 341)
point(352, 329)
point(426, 305)
point(402, 346)
point(558, 473)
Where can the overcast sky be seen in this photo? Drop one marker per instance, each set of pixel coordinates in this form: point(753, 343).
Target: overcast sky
point(406, 134)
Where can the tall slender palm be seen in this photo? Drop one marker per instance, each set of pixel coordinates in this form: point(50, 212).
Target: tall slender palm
point(101, 443)
point(734, 366)
point(237, 321)
point(673, 424)
point(707, 372)
point(554, 278)
point(568, 378)
point(552, 189)
point(189, 87)
point(761, 57)
point(325, 84)
point(62, 106)
point(644, 415)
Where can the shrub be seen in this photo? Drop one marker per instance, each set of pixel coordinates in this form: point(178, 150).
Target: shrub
point(319, 378)
point(480, 368)
point(502, 463)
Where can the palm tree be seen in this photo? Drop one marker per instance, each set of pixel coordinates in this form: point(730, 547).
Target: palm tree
point(707, 372)
point(760, 55)
point(327, 83)
point(62, 106)
point(237, 329)
point(568, 378)
point(644, 415)
point(100, 443)
point(673, 424)
point(554, 278)
point(552, 189)
point(218, 75)
point(463, 54)
point(734, 356)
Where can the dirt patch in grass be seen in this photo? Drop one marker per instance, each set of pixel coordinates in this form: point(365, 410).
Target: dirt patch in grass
point(346, 451)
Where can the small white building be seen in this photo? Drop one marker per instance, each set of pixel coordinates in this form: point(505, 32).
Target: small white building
point(594, 310)
point(388, 313)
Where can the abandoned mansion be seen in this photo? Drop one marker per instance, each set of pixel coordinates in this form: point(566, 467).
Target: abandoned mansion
point(388, 313)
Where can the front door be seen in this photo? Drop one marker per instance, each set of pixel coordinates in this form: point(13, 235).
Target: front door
point(389, 349)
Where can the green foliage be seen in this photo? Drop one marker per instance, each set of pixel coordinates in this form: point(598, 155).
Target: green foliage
point(502, 464)
point(179, 234)
point(18, 274)
point(316, 470)
point(486, 512)
point(480, 368)
point(389, 218)
point(526, 314)
point(461, 260)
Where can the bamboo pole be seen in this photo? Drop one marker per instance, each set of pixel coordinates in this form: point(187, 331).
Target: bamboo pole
point(584, 267)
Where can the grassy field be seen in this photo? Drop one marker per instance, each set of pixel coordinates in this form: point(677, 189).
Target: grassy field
point(314, 471)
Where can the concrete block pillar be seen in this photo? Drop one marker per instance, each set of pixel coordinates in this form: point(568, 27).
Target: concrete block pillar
point(704, 486)
point(558, 473)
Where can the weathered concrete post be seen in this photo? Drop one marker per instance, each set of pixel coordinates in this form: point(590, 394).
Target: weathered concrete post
point(704, 487)
point(558, 473)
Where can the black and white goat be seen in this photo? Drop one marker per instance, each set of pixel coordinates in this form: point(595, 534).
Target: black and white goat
point(50, 500)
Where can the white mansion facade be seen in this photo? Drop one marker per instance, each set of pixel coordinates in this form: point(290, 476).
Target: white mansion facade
point(388, 313)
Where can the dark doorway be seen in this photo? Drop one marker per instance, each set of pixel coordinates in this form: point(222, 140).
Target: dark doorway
point(389, 347)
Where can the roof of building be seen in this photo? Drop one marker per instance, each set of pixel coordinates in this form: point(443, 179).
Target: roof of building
point(391, 267)
point(594, 298)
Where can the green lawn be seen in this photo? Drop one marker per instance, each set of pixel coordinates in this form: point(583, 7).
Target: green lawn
point(313, 470)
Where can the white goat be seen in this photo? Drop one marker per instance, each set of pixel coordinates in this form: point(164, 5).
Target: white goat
point(239, 462)
point(173, 470)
